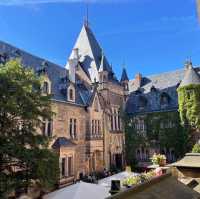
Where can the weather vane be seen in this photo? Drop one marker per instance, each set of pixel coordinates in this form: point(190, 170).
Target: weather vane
point(198, 9)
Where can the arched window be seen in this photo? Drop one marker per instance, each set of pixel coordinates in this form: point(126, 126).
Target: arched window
point(46, 88)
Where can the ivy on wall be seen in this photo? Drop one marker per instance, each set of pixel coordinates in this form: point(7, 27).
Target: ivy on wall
point(189, 105)
point(162, 129)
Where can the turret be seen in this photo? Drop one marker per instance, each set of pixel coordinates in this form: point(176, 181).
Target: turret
point(188, 99)
point(191, 76)
point(124, 80)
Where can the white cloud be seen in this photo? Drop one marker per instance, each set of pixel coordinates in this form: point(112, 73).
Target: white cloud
point(26, 2)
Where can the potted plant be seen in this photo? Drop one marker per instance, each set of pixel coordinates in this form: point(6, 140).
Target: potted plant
point(159, 159)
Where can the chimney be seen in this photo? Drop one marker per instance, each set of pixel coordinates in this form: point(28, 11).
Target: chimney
point(188, 65)
point(75, 54)
point(138, 80)
point(73, 62)
point(115, 187)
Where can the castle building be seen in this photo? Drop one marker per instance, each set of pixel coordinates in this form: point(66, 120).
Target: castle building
point(88, 98)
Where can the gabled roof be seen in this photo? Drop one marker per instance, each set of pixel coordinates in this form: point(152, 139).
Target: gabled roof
point(90, 52)
point(62, 142)
point(191, 160)
point(190, 77)
point(124, 76)
point(165, 187)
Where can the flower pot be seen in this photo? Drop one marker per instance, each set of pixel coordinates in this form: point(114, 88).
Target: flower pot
point(162, 162)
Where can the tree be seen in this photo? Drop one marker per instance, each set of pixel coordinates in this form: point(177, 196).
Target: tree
point(196, 148)
point(24, 154)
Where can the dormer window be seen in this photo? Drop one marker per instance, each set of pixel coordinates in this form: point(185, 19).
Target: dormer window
point(142, 102)
point(164, 100)
point(71, 93)
point(153, 89)
point(45, 88)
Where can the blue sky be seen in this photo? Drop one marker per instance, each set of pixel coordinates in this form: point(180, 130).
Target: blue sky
point(150, 36)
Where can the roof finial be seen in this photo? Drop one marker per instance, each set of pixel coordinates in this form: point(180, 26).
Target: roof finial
point(86, 22)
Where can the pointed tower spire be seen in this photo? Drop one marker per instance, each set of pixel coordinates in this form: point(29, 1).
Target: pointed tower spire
point(124, 76)
point(191, 76)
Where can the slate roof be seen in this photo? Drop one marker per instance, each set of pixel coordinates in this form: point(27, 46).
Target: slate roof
point(62, 142)
point(191, 77)
point(165, 187)
point(91, 54)
point(57, 74)
point(152, 88)
point(124, 76)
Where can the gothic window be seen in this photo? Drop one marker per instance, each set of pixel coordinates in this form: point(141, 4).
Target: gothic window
point(96, 128)
point(99, 127)
point(96, 105)
point(63, 166)
point(73, 128)
point(47, 128)
point(119, 121)
point(111, 120)
point(70, 166)
point(115, 118)
point(92, 126)
point(138, 154)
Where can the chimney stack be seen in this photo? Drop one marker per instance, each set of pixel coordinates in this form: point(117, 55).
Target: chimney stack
point(138, 80)
point(188, 65)
point(115, 187)
point(73, 62)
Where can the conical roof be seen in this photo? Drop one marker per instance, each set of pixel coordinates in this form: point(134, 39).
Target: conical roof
point(90, 52)
point(124, 76)
point(191, 77)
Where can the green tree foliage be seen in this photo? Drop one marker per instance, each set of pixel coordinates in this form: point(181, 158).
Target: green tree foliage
point(24, 154)
point(189, 105)
point(196, 148)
